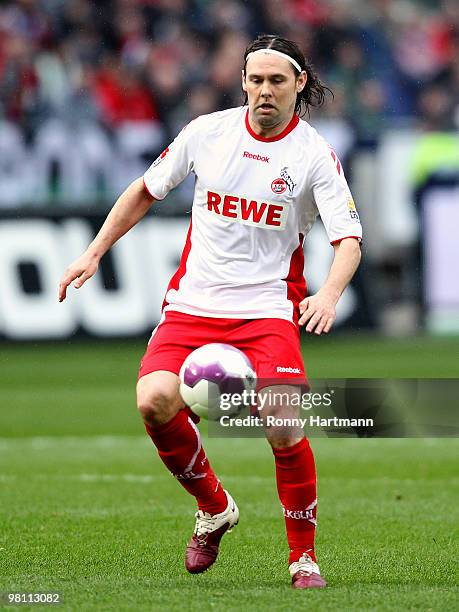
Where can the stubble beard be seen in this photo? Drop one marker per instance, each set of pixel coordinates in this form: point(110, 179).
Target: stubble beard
point(267, 121)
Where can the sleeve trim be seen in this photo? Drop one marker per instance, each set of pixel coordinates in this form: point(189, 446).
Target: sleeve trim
point(338, 240)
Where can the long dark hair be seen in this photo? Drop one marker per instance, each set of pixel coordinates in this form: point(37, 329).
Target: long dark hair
point(314, 91)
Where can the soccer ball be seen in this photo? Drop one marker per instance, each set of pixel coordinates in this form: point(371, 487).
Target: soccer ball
point(210, 374)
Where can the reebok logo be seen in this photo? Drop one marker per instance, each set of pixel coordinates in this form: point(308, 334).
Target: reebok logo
point(288, 370)
point(256, 157)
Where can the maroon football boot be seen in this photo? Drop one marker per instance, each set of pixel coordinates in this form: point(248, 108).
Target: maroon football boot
point(306, 574)
point(202, 549)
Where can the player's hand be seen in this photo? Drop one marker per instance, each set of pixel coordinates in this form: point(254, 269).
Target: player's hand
point(79, 271)
point(319, 312)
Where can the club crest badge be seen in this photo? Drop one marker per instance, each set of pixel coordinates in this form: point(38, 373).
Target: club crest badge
point(278, 186)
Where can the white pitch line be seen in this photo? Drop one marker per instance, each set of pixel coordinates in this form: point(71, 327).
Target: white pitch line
point(45, 442)
point(143, 478)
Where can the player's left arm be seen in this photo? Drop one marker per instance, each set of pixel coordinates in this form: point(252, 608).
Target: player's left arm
point(318, 311)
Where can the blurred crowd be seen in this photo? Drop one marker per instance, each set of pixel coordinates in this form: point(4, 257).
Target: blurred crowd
point(92, 90)
point(115, 61)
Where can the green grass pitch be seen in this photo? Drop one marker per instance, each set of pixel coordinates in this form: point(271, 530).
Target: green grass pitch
point(87, 509)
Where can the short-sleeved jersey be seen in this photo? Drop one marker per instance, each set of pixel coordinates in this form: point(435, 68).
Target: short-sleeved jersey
point(255, 200)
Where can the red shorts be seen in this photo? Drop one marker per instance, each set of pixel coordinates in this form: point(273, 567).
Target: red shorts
point(272, 345)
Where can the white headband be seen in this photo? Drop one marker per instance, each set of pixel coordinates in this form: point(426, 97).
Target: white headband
point(279, 53)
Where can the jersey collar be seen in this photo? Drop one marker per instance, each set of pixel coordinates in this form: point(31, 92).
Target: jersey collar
point(291, 126)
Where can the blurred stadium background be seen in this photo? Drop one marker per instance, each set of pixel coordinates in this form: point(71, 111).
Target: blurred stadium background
point(90, 94)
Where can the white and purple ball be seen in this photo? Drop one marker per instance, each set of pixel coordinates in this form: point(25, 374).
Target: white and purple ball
point(211, 370)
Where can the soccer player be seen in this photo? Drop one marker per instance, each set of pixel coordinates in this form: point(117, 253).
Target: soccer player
point(262, 177)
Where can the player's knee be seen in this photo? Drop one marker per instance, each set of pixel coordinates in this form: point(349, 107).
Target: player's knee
point(156, 404)
point(283, 437)
point(282, 442)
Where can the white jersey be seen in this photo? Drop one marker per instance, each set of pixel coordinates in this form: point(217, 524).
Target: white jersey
point(255, 200)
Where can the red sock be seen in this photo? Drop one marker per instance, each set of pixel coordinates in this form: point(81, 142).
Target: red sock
point(179, 446)
point(296, 485)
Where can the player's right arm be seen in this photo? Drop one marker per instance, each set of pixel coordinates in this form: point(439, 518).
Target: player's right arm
point(165, 173)
point(130, 207)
